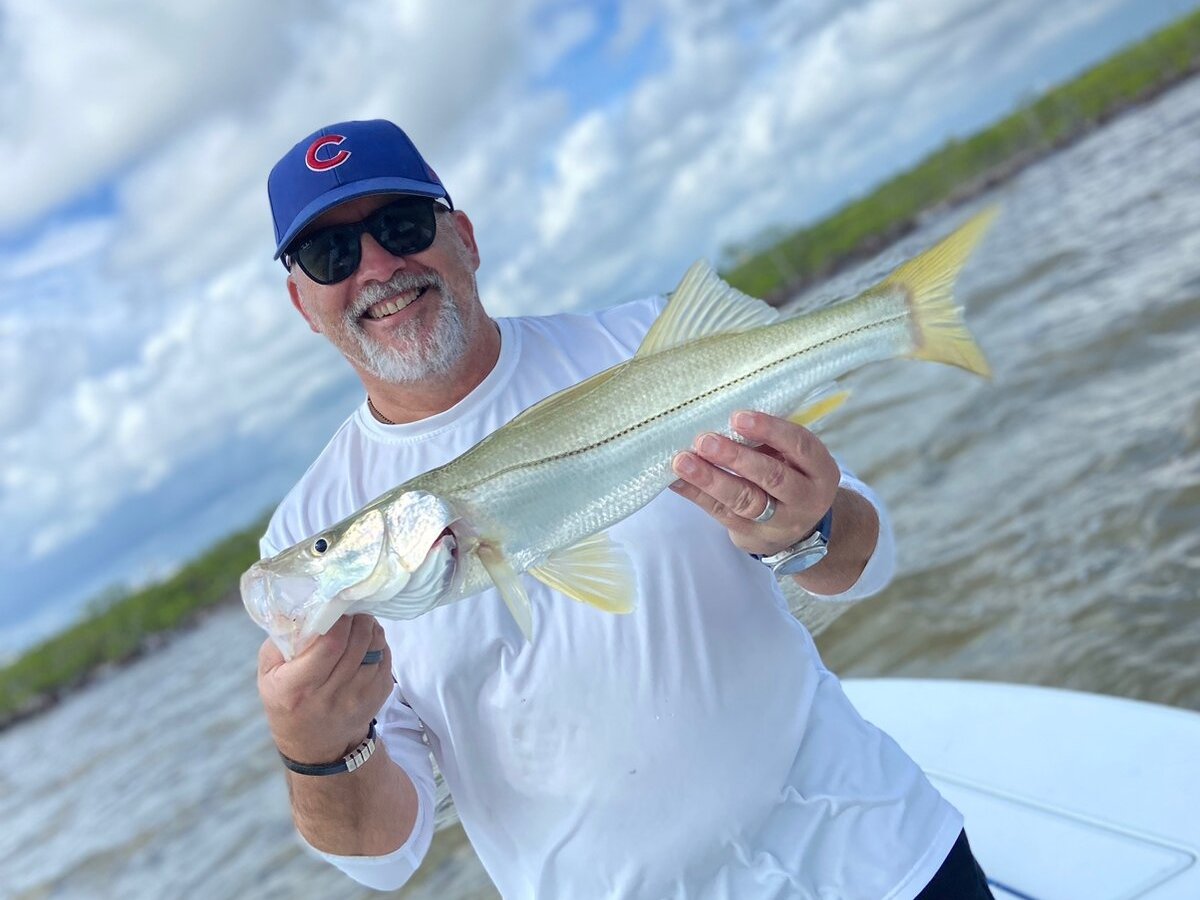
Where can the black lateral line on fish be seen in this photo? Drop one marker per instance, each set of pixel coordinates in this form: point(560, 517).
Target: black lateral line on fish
point(608, 440)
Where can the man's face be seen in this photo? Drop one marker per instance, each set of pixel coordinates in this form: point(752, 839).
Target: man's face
point(399, 318)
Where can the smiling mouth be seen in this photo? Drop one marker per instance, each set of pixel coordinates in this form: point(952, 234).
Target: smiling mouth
point(390, 307)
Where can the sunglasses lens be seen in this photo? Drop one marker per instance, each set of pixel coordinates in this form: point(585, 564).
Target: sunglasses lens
point(404, 227)
point(331, 255)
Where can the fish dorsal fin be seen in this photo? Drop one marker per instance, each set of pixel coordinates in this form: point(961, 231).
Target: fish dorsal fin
point(704, 305)
point(819, 404)
point(508, 583)
point(595, 571)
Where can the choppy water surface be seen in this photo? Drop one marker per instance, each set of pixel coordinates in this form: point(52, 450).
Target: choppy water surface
point(1047, 525)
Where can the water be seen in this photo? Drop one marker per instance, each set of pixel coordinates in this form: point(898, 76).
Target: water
point(1047, 524)
point(1048, 520)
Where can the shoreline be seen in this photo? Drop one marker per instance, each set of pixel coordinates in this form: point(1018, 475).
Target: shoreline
point(150, 644)
point(963, 168)
point(124, 630)
point(998, 175)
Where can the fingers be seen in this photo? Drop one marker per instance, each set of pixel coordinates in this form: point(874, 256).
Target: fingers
point(316, 663)
point(319, 703)
point(731, 481)
point(365, 633)
point(798, 446)
point(375, 680)
point(730, 498)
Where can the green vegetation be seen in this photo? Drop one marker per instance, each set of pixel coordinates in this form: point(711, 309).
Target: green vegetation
point(963, 167)
point(120, 628)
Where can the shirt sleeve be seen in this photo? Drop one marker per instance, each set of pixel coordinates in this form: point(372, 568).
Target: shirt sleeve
point(401, 733)
point(881, 567)
point(628, 323)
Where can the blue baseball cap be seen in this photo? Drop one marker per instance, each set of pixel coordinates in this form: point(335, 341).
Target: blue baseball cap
point(340, 162)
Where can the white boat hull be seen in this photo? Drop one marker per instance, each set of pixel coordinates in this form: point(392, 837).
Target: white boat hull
point(1067, 796)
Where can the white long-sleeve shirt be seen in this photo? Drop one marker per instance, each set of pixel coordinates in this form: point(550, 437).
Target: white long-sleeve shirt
point(695, 748)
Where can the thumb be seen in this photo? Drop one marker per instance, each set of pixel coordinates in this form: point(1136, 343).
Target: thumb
point(269, 657)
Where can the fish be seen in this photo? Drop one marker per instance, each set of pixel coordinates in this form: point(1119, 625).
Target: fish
point(537, 495)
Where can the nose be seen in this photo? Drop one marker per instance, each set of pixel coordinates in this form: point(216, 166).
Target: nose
point(377, 264)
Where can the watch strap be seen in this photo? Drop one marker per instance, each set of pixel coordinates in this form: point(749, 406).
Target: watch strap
point(817, 538)
point(347, 763)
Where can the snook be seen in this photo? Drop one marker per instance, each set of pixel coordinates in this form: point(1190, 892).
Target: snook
point(537, 495)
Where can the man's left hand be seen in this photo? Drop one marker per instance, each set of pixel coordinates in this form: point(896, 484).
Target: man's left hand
point(731, 481)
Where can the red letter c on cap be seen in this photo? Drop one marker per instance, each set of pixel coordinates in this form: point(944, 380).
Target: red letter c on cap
point(324, 165)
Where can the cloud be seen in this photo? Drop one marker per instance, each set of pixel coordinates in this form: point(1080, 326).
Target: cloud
point(150, 334)
point(102, 83)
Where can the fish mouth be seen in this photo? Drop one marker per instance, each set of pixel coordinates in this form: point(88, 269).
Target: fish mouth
point(273, 601)
point(396, 562)
point(294, 614)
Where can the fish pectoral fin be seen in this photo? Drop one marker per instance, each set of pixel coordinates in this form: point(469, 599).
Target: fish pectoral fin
point(701, 306)
point(595, 571)
point(508, 583)
point(818, 405)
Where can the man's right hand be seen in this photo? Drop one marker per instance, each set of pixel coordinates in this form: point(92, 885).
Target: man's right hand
point(320, 704)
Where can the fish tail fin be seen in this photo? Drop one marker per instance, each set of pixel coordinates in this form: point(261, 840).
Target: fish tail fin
point(939, 332)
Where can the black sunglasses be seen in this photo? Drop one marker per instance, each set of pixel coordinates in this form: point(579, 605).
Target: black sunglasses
point(333, 254)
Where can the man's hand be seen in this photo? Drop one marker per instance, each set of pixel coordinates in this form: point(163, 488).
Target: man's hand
point(319, 707)
point(731, 482)
point(320, 704)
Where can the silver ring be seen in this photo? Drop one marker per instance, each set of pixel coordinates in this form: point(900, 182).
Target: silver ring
point(767, 513)
point(371, 657)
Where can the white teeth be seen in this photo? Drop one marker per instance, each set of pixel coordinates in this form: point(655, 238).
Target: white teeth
point(387, 307)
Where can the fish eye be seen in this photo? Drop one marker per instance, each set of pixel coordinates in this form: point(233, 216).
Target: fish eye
point(320, 545)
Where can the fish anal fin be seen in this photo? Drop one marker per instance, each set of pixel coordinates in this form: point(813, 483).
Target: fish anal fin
point(595, 571)
point(818, 407)
point(701, 306)
point(508, 583)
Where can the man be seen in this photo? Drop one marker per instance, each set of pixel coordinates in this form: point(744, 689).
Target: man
point(695, 748)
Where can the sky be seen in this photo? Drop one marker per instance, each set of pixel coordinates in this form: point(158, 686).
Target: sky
point(159, 389)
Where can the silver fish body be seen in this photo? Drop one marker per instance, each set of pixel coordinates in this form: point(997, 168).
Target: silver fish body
point(538, 494)
point(560, 476)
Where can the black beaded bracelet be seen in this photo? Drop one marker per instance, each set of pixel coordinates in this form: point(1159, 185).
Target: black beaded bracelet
point(347, 763)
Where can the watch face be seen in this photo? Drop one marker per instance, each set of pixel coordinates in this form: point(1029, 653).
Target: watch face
point(804, 559)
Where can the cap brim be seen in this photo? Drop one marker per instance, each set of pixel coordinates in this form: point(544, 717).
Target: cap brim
point(368, 187)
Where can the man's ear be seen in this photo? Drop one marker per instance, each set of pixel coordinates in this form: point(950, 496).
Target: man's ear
point(294, 293)
point(466, 231)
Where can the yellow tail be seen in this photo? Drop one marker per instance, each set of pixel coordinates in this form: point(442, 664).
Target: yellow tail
point(927, 280)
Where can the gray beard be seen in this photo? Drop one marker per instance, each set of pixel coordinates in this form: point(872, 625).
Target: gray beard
point(435, 354)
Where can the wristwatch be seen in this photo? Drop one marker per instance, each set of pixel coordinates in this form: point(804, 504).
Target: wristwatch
point(805, 553)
